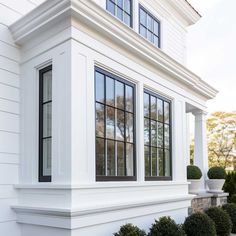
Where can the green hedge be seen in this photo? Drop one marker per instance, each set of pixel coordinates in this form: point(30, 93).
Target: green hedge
point(193, 172)
point(216, 172)
point(230, 186)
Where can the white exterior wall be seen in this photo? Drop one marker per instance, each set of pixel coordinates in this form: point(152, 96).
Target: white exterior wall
point(10, 11)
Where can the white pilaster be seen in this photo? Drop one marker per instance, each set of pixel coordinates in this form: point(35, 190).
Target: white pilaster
point(188, 138)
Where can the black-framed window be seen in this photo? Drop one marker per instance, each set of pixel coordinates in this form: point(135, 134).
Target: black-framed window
point(122, 9)
point(45, 124)
point(149, 26)
point(157, 137)
point(115, 127)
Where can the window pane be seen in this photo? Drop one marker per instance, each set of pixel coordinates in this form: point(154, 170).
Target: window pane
point(110, 91)
point(160, 135)
point(129, 160)
point(120, 159)
point(111, 7)
point(128, 6)
point(120, 3)
point(110, 158)
point(127, 19)
point(156, 28)
point(47, 86)
point(100, 156)
point(154, 161)
point(150, 36)
point(147, 163)
point(153, 108)
point(99, 87)
point(167, 163)
point(47, 158)
point(166, 112)
point(160, 110)
point(120, 125)
point(160, 161)
point(120, 95)
point(146, 131)
point(47, 119)
point(110, 122)
point(120, 13)
point(156, 41)
point(143, 17)
point(143, 31)
point(154, 133)
point(129, 127)
point(146, 105)
point(100, 120)
point(129, 98)
point(167, 136)
point(150, 23)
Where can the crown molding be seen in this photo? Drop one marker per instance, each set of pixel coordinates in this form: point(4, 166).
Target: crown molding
point(51, 12)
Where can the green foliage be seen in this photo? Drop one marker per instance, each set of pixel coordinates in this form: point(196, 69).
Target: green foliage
point(230, 186)
point(166, 226)
point(221, 219)
point(216, 172)
point(199, 224)
point(231, 210)
point(193, 172)
point(130, 230)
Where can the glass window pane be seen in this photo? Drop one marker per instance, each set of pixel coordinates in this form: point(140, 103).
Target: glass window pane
point(127, 19)
point(149, 36)
point(166, 112)
point(120, 125)
point(143, 31)
point(146, 131)
point(156, 28)
point(147, 162)
point(120, 13)
point(120, 3)
point(160, 135)
point(120, 159)
point(100, 156)
point(154, 133)
point(153, 108)
point(129, 160)
point(47, 156)
point(129, 127)
point(120, 95)
point(100, 120)
point(154, 161)
point(128, 6)
point(111, 7)
point(167, 163)
point(167, 136)
point(110, 122)
point(161, 162)
point(150, 23)
point(110, 91)
point(47, 119)
point(99, 87)
point(160, 110)
point(143, 17)
point(129, 98)
point(47, 86)
point(110, 158)
point(156, 40)
point(146, 105)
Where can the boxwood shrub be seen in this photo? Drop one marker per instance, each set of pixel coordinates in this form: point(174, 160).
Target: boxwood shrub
point(231, 210)
point(216, 172)
point(230, 186)
point(221, 219)
point(130, 230)
point(193, 172)
point(199, 224)
point(166, 226)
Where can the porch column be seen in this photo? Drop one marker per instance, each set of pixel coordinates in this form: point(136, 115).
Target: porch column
point(200, 146)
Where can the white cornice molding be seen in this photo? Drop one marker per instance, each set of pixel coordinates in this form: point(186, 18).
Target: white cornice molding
point(98, 19)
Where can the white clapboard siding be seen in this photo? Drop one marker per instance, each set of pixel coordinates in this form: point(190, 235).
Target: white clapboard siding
point(9, 122)
point(8, 16)
point(9, 64)
point(6, 213)
point(8, 174)
point(5, 35)
point(9, 78)
point(14, 228)
point(8, 158)
point(9, 50)
point(7, 191)
point(9, 93)
point(9, 106)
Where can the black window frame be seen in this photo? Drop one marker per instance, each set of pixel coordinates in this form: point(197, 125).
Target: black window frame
point(157, 96)
point(103, 178)
point(155, 19)
point(41, 176)
point(131, 12)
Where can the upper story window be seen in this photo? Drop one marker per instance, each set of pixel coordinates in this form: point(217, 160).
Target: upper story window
point(149, 26)
point(115, 127)
point(45, 124)
point(157, 137)
point(122, 9)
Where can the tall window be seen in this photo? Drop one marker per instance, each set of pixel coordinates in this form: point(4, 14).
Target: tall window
point(157, 137)
point(122, 9)
point(115, 127)
point(45, 124)
point(149, 26)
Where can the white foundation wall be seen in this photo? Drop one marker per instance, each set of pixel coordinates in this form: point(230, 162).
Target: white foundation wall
point(10, 11)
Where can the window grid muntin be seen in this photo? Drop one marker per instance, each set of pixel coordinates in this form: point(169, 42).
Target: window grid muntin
point(125, 142)
point(123, 9)
point(150, 146)
point(154, 19)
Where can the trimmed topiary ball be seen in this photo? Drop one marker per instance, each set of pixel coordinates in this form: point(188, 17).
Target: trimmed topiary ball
point(221, 219)
point(193, 172)
point(199, 224)
point(231, 210)
point(166, 226)
point(216, 173)
point(130, 230)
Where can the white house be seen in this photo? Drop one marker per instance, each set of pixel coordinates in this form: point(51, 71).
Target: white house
point(94, 97)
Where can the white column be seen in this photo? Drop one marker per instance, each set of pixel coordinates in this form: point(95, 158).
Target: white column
point(188, 138)
point(200, 146)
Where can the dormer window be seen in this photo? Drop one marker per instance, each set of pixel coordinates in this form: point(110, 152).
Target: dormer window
point(149, 26)
point(122, 9)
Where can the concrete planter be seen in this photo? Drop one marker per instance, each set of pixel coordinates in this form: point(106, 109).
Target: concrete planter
point(194, 186)
point(215, 185)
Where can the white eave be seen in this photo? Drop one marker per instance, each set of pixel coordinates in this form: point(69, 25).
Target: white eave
point(52, 11)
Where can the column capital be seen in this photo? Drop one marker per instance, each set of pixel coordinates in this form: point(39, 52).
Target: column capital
point(199, 112)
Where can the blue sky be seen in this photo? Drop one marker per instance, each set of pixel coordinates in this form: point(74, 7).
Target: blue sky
point(211, 53)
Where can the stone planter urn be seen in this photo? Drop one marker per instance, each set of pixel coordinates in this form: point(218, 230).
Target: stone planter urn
point(216, 179)
point(194, 175)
